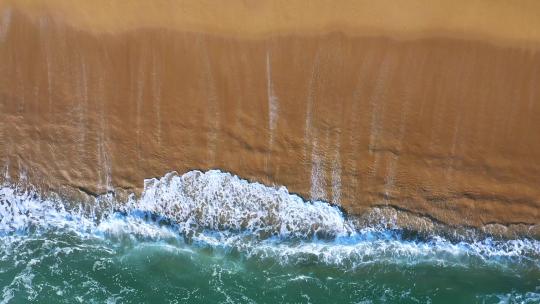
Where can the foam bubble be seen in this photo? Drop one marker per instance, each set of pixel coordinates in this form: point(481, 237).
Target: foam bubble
point(220, 211)
point(220, 201)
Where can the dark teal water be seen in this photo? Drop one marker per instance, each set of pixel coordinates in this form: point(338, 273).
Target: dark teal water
point(286, 252)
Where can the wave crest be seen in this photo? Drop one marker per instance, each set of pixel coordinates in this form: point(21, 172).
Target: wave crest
point(220, 201)
point(220, 211)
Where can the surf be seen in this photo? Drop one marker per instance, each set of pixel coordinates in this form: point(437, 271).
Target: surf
point(216, 220)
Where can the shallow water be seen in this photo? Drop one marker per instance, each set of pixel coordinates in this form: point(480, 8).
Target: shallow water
point(214, 238)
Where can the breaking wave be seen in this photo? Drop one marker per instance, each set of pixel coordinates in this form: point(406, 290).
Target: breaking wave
point(218, 209)
point(230, 216)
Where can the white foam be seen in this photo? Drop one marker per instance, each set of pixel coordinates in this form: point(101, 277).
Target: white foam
point(525, 298)
point(221, 201)
point(221, 211)
point(21, 211)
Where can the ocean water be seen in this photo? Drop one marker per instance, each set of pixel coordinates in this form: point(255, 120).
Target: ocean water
point(215, 238)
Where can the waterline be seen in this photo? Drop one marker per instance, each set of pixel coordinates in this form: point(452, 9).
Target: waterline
point(213, 237)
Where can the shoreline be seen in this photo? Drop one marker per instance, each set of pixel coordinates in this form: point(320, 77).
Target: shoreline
point(439, 127)
point(379, 217)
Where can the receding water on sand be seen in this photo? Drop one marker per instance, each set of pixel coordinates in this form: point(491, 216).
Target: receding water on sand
point(214, 238)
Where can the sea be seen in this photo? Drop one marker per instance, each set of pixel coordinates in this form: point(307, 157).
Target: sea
point(213, 237)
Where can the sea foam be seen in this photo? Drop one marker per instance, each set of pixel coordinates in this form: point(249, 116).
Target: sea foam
point(221, 211)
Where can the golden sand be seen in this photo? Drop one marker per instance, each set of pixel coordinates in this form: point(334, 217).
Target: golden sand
point(497, 20)
point(340, 103)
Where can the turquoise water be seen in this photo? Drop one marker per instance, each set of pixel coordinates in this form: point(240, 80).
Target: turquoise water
point(183, 242)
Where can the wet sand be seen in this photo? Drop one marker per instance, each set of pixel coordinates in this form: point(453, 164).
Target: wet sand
point(430, 110)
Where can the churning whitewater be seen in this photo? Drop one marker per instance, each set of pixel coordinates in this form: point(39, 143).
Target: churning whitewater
point(205, 237)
